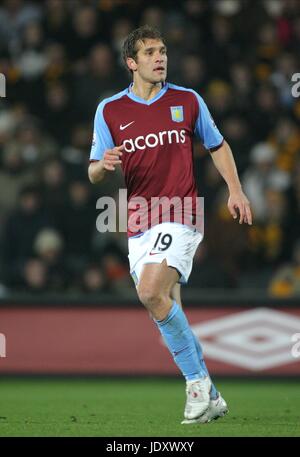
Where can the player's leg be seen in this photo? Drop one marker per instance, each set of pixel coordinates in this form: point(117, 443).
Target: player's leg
point(154, 289)
point(176, 295)
point(217, 405)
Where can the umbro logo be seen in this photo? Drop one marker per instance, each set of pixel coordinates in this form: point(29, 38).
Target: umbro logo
point(257, 339)
point(123, 127)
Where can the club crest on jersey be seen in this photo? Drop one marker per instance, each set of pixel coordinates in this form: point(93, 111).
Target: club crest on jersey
point(177, 113)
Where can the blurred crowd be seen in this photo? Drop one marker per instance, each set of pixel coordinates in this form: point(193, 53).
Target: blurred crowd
point(62, 57)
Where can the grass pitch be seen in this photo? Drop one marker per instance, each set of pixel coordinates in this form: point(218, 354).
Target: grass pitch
point(142, 407)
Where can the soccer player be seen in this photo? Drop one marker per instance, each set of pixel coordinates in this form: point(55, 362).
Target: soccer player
point(148, 129)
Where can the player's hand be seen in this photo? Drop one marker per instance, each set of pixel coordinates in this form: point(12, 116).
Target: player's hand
point(111, 158)
point(239, 206)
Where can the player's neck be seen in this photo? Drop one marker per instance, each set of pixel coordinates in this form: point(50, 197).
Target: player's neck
point(145, 90)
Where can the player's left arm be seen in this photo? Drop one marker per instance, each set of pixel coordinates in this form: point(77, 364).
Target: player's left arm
point(225, 163)
point(222, 156)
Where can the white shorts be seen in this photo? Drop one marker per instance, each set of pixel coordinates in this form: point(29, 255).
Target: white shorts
point(168, 241)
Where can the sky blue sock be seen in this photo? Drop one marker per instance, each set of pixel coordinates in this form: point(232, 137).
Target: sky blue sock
point(179, 339)
point(213, 391)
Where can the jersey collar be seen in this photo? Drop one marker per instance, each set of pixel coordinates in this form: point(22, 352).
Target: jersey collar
point(137, 99)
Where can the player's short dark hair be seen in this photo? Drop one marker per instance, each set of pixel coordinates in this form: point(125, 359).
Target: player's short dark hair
point(129, 48)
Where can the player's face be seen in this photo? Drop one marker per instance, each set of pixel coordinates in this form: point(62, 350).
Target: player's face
point(151, 61)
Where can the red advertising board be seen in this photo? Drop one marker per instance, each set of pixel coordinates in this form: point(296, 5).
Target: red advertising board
point(81, 340)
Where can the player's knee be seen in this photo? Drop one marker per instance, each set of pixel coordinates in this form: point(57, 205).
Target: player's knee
point(150, 297)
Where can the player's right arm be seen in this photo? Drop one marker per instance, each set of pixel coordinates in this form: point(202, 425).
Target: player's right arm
point(111, 158)
point(105, 155)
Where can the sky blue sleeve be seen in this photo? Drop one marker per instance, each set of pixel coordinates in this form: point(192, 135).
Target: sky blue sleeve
point(205, 127)
point(102, 138)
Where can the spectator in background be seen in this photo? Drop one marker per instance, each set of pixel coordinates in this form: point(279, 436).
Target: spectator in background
point(192, 72)
point(285, 66)
point(295, 33)
point(226, 241)
point(31, 144)
point(14, 175)
point(34, 277)
point(264, 112)
point(222, 47)
point(227, 8)
point(294, 202)
point(285, 137)
point(120, 29)
point(117, 273)
point(198, 18)
point(267, 48)
point(10, 118)
point(58, 114)
point(208, 272)
point(14, 16)
point(77, 223)
point(49, 248)
point(31, 61)
point(154, 16)
point(96, 81)
point(20, 231)
point(56, 20)
point(236, 129)
point(75, 155)
point(93, 280)
point(210, 184)
point(175, 31)
point(219, 96)
point(85, 33)
point(58, 68)
point(286, 281)
point(241, 79)
point(53, 185)
point(268, 241)
point(261, 176)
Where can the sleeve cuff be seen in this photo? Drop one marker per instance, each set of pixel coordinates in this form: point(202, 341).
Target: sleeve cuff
point(215, 148)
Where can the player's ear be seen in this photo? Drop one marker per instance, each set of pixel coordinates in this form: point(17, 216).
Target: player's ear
point(131, 63)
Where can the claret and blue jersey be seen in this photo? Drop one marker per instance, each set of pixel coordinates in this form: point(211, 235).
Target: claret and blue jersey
point(158, 139)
